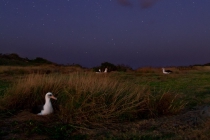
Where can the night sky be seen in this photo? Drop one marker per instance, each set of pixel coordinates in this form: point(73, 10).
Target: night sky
point(137, 33)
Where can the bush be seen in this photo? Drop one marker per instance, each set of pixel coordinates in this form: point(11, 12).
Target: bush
point(112, 67)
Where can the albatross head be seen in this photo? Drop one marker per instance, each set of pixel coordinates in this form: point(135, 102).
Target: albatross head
point(50, 95)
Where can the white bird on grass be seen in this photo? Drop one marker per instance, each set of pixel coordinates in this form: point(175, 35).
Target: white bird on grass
point(46, 108)
point(166, 71)
point(106, 70)
point(99, 71)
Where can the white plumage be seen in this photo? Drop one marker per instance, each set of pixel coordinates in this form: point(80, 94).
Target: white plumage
point(99, 71)
point(106, 70)
point(166, 71)
point(47, 107)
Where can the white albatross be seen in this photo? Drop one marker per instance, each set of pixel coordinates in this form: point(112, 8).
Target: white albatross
point(99, 71)
point(166, 71)
point(46, 108)
point(106, 70)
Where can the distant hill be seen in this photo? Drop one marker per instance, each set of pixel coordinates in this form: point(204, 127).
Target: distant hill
point(207, 64)
point(14, 60)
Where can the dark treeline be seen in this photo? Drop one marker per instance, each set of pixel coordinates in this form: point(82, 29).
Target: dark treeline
point(15, 59)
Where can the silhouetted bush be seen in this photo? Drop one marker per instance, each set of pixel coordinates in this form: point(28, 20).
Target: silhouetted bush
point(41, 60)
point(111, 67)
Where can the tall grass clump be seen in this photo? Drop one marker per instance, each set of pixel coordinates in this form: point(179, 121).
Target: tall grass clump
point(30, 90)
point(86, 98)
point(98, 98)
point(165, 103)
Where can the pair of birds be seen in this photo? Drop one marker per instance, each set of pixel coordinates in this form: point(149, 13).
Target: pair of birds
point(105, 71)
point(46, 108)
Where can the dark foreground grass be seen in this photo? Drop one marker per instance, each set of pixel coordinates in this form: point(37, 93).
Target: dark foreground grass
point(33, 128)
point(3, 86)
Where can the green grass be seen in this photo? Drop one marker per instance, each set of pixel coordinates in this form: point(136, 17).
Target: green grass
point(194, 84)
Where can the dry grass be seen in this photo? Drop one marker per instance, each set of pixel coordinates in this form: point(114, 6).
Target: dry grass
point(90, 99)
point(28, 91)
point(166, 104)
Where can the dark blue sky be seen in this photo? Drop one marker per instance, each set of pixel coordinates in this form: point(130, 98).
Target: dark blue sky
point(88, 32)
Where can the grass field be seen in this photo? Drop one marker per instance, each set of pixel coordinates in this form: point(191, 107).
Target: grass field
point(141, 104)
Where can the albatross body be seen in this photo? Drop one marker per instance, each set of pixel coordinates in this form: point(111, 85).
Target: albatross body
point(106, 70)
point(166, 71)
point(99, 71)
point(47, 107)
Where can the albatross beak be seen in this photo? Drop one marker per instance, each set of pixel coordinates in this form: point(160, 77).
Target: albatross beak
point(53, 97)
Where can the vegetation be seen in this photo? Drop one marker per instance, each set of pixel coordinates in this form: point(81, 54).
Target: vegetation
point(112, 67)
point(15, 60)
point(140, 104)
point(86, 98)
